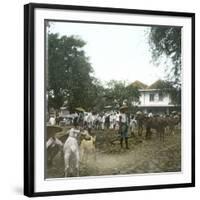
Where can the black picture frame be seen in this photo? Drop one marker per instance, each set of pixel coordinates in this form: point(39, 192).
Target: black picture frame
point(29, 96)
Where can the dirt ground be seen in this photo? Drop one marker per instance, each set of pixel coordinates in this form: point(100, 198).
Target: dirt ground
point(143, 156)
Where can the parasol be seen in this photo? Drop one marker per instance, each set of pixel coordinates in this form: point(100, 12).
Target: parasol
point(80, 109)
point(107, 107)
point(138, 113)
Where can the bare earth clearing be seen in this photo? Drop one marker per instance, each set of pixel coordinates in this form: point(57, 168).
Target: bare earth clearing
point(144, 156)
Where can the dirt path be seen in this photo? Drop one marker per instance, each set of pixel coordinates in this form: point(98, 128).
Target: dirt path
point(148, 156)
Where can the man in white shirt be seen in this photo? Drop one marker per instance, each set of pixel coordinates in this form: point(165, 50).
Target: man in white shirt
point(150, 114)
point(133, 124)
point(52, 121)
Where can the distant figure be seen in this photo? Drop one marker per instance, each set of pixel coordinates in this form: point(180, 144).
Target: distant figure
point(111, 121)
point(107, 121)
point(89, 122)
point(133, 124)
point(103, 122)
point(140, 122)
point(85, 120)
point(98, 123)
point(117, 121)
point(57, 120)
point(123, 127)
point(80, 119)
point(52, 121)
point(150, 114)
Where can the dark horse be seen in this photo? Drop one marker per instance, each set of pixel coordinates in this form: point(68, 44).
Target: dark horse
point(158, 123)
point(140, 118)
point(173, 122)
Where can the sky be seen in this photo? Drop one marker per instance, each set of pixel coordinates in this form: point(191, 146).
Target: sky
point(116, 52)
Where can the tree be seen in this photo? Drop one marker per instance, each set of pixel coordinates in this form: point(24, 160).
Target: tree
point(97, 100)
point(167, 87)
point(133, 95)
point(166, 42)
point(69, 70)
point(118, 92)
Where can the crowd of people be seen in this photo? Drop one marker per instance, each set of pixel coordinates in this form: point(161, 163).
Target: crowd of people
point(123, 122)
point(91, 120)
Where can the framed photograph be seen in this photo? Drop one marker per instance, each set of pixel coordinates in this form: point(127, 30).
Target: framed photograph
point(108, 99)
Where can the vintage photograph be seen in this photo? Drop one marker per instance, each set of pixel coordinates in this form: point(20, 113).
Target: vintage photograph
point(113, 99)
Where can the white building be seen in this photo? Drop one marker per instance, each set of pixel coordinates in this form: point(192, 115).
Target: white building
point(153, 99)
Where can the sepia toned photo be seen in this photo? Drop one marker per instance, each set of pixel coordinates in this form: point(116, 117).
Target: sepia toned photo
point(113, 99)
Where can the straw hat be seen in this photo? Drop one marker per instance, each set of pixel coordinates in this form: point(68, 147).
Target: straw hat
point(123, 107)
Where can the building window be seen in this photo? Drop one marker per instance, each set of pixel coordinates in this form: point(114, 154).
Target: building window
point(161, 96)
point(151, 97)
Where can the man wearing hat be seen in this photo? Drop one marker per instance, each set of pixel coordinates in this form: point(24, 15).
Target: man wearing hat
point(123, 126)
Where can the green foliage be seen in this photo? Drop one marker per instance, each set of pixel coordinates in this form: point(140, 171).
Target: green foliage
point(168, 87)
point(118, 92)
point(70, 79)
point(166, 41)
point(68, 72)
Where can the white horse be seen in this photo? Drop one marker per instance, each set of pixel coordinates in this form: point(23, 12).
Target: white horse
point(71, 152)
